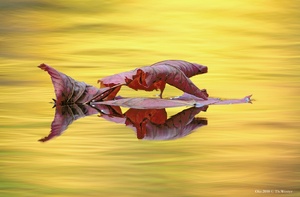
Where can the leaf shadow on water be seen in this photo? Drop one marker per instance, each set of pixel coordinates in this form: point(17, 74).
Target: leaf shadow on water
point(149, 124)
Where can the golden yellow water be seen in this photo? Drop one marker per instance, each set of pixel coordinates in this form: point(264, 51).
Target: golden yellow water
point(250, 47)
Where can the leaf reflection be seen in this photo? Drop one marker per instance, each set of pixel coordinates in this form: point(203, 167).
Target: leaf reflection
point(65, 115)
point(149, 124)
point(177, 126)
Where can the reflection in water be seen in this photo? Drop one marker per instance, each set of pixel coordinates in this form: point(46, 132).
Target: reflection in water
point(249, 46)
point(65, 115)
point(149, 124)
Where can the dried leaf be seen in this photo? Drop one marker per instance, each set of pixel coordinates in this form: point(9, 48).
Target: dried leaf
point(154, 103)
point(69, 91)
point(189, 69)
point(155, 77)
point(146, 103)
point(184, 100)
point(147, 115)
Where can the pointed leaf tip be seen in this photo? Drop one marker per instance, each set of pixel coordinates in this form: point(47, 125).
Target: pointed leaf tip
point(248, 99)
point(43, 66)
point(69, 91)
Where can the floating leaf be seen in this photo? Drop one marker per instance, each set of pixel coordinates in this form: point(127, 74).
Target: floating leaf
point(155, 103)
point(155, 77)
point(146, 115)
point(184, 100)
point(189, 69)
point(69, 91)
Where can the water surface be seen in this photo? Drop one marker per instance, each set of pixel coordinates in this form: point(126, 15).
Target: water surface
point(250, 47)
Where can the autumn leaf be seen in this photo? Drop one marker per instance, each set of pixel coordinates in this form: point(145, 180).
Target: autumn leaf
point(187, 100)
point(147, 116)
point(69, 91)
point(155, 77)
point(189, 69)
point(155, 103)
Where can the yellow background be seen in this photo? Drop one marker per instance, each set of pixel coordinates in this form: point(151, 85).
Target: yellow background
point(250, 47)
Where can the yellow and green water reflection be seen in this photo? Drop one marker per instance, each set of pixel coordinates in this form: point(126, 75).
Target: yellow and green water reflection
point(250, 47)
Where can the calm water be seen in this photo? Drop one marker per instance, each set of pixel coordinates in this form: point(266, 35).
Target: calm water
point(250, 47)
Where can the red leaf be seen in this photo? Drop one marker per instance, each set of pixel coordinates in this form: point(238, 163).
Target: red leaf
point(150, 123)
point(189, 69)
point(70, 91)
point(173, 72)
